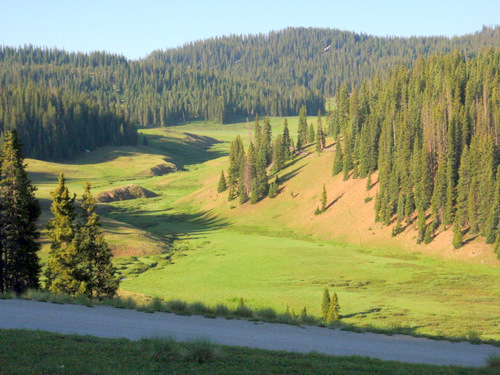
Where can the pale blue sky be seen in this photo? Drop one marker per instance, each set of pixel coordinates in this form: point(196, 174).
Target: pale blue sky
point(135, 28)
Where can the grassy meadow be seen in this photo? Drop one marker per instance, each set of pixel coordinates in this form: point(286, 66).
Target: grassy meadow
point(51, 353)
point(190, 243)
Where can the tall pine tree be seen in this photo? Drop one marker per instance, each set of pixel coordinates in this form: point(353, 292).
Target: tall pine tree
point(19, 211)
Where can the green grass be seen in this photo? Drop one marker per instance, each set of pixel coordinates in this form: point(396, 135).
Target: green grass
point(190, 245)
point(27, 352)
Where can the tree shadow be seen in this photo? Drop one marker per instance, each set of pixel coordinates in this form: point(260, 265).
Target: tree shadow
point(181, 151)
point(289, 175)
point(167, 224)
point(334, 201)
point(370, 311)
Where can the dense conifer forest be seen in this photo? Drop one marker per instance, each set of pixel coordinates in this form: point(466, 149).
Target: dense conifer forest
point(432, 132)
point(49, 94)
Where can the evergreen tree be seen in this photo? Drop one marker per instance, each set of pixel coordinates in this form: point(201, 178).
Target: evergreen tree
point(98, 271)
point(320, 134)
point(63, 273)
point(338, 162)
point(302, 129)
point(333, 309)
point(494, 214)
point(242, 192)
point(19, 211)
point(278, 154)
point(286, 141)
point(273, 189)
point(457, 236)
point(311, 134)
point(323, 199)
point(325, 304)
point(222, 186)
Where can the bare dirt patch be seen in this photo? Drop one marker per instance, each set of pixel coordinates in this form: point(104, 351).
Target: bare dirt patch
point(124, 193)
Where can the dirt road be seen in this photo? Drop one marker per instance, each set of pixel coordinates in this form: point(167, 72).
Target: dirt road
point(111, 322)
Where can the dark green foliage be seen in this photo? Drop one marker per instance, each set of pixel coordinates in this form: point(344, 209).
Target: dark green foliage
point(273, 189)
point(323, 199)
point(242, 193)
point(19, 211)
point(432, 131)
point(338, 162)
point(62, 274)
point(369, 182)
point(302, 129)
point(95, 255)
point(286, 141)
point(222, 185)
point(311, 134)
point(55, 124)
point(457, 236)
point(325, 304)
point(79, 259)
point(280, 154)
point(333, 309)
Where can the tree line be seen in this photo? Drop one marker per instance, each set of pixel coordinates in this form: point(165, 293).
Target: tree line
point(55, 124)
point(225, 78)
point(79, 262)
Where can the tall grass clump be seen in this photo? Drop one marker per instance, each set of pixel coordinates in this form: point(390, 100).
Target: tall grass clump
point(243, 311)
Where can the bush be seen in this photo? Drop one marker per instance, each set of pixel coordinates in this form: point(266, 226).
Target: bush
point(368, 199)
point(177, 306)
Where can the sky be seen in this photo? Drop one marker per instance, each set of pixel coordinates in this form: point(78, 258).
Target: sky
point(136, 28)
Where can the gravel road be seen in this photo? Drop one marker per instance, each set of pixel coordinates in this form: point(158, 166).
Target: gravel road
point(106, 321)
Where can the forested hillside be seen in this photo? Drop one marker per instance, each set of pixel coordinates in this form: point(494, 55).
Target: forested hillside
point(223, 78)
point(433, 134)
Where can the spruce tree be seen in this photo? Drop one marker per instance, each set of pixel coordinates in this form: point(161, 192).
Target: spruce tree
point(457, 236)
point(63, 273)
point(286, 141)
point(325, 304)
point(94, 252)
point(302, 129)
point(273, 189)
point(242, 192)
point(333, 309)
point(323, 199)
point(338, 162)
point(19, 211)
point(311, 134)
point(222, 186)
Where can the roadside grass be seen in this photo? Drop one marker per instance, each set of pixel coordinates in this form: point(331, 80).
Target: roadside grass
point(38, 352)
point(192, 245)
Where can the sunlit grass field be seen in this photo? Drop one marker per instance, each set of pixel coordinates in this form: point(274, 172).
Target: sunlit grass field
point(190, 243)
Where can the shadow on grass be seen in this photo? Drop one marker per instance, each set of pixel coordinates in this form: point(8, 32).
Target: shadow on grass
point(169, 225)
point(181, 151)
point(334, 201)
point(370, 311)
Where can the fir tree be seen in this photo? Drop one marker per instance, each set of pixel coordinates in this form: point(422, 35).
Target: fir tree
point(302, 129)
point(19, 211)
point(286, 141)
point(333, 309)
point(338, 162)
point(457, 236)
point(311, 134)
point(273, 189)
point(95, 254)
point(323, 199)
point(325, 304)
point(63, 273)
point(222, 186)
point(242, 192)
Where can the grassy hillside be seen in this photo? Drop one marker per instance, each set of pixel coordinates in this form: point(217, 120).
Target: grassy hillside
point(191, 243)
